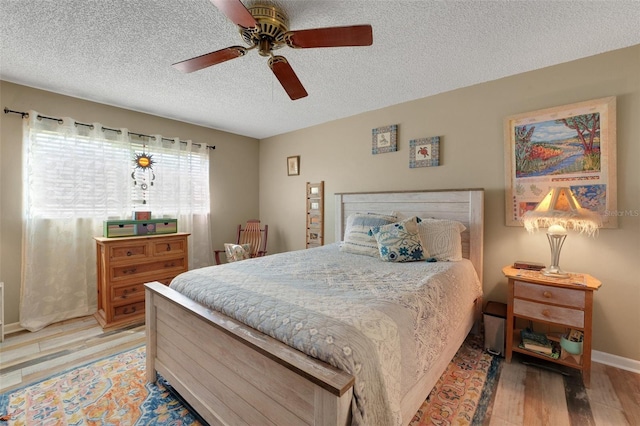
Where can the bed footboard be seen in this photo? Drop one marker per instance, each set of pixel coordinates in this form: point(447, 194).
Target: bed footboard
point(232, 374)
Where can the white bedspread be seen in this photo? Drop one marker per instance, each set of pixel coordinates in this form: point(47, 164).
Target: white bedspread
point(382, 322)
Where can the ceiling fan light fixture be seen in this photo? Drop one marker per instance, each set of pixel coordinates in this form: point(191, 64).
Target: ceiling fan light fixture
point(272, 25)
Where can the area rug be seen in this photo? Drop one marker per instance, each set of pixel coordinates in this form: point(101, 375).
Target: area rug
point(111, 391)
point(464, 392)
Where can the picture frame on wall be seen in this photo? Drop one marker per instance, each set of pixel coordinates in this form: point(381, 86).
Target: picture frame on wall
point(571, 145)
point(384, 139)
point(315, 190)
point(293, 165)
point(424, 152)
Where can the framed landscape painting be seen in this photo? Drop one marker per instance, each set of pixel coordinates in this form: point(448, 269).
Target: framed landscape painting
point(570, 145)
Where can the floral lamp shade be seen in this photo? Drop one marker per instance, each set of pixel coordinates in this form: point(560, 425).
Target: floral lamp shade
point(558, 211)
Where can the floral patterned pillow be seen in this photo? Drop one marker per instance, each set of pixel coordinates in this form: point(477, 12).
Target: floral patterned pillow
point(400, 242)
point(236, 252)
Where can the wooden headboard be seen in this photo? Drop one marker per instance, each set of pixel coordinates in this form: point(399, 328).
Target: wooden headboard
point(463, 205)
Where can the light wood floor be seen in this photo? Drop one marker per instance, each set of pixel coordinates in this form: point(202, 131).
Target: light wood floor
point(525, 395)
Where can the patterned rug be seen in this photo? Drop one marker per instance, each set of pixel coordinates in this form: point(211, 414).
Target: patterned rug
point(113, 391)
point(464, 392)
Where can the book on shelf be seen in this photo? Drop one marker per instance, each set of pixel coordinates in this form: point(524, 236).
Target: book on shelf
point(538, 342)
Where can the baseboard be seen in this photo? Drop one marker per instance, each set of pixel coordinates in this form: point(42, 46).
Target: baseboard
point(12, 328)
point(616, 361)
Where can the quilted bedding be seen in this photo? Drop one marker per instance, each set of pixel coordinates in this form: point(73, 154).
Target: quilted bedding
point(382, 322)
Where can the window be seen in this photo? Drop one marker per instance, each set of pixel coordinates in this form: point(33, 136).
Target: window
point(77, 176)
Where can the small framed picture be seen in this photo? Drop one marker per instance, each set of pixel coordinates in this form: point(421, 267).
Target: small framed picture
point(314, 190)
point(314, 221)
point(424, 152)
point(384, 139)
point(293, 165)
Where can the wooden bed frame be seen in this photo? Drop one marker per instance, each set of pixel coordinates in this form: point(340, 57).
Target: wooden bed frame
point(232, 374)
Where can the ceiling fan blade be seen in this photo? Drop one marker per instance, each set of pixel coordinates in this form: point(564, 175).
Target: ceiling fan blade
point(236, 12)
point(209, 59)
point(355, 35)
point(287, 77)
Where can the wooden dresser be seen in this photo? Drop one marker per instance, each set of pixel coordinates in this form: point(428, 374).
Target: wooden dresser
point(125, 264)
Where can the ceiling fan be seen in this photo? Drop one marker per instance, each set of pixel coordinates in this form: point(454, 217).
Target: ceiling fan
point(266, 28)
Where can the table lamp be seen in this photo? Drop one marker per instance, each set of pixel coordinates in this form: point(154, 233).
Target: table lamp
point(557, 211)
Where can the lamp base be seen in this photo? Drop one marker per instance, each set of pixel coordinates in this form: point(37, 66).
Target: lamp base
point(554, 272)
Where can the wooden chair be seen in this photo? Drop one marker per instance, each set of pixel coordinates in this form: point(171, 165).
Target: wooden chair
point(251, 234)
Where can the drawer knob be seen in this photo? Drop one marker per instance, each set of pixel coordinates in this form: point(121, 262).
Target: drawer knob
point(168, 247)
point(547, 294)
point(129, 253)
point(130, 311)
point(129, 271)
point(127, 291)
point(545, 313)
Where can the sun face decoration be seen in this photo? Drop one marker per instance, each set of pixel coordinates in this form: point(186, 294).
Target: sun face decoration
point(144, 161)
point(143, 175)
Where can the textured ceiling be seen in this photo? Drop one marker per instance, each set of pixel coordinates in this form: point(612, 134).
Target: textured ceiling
point(119, 53)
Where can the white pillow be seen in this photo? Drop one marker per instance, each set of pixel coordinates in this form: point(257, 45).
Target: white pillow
point(237, 252)
point(356, 235)
point(441, 238)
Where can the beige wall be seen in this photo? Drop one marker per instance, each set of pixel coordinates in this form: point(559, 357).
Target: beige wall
point(234, 195)
point(469, 122)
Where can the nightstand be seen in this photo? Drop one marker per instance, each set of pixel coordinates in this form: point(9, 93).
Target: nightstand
point(559, 302)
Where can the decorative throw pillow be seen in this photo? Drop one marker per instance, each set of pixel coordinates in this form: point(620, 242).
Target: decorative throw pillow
point(400, 242)
point(442, 238)
point(236, 252)
point(356, 235)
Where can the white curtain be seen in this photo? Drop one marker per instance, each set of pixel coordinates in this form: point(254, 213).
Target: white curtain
point(77, 176)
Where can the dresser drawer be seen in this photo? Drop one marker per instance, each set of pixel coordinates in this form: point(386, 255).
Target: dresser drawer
point(549, 294)
point(556, 314)
point(169, 247)
point(166, 281)
point(134, 250)
point(160, 267)
point(128, 311)
point(125, 292)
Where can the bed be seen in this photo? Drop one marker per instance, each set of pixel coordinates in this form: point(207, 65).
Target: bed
point(232, 373)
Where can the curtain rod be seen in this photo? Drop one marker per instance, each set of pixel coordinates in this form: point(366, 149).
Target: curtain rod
point(59, 120)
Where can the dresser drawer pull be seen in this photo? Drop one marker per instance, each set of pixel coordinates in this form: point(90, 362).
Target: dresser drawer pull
point(545, 313)
point(168, 247)
point(129, 271)
point(547, 294)
point(170, 264)
point(126, 292)
point(127, 311)
point(129, 253)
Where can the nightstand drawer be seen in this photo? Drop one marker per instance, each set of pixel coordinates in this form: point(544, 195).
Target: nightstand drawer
point(556, 314)
point(549, 294)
